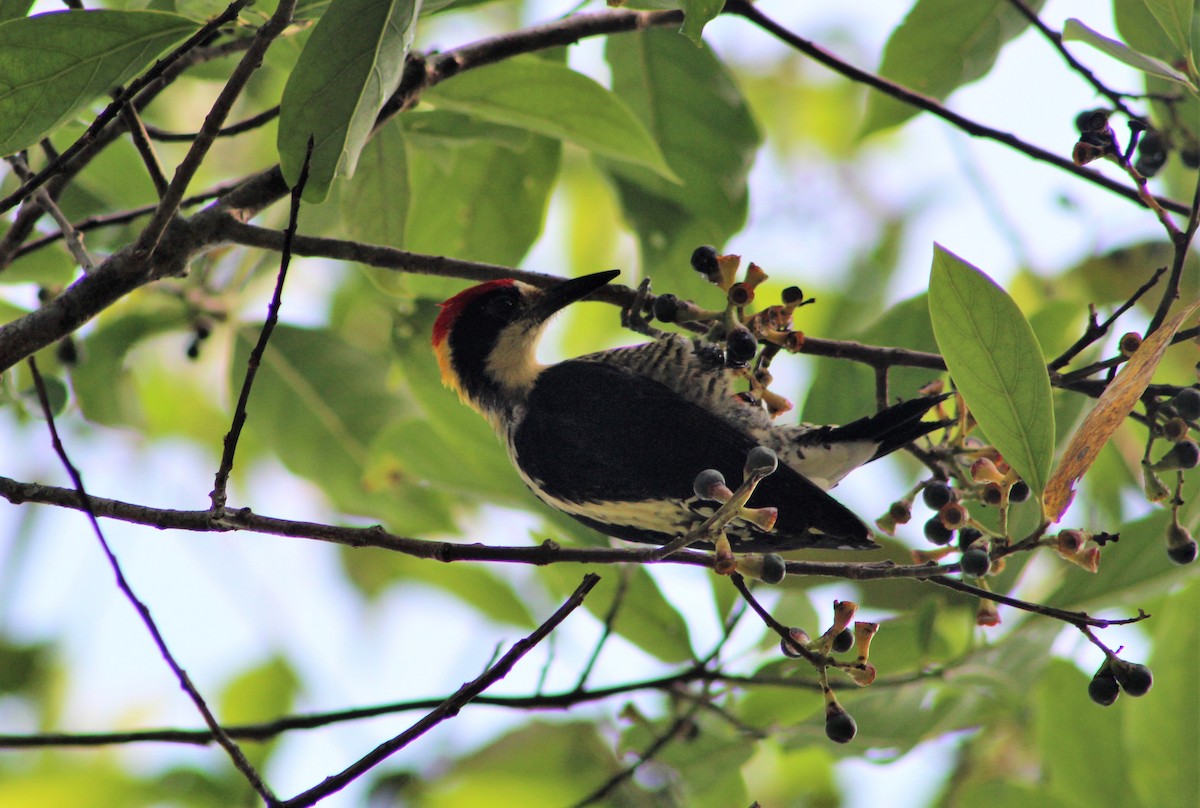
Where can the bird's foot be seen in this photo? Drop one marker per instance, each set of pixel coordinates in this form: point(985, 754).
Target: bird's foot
point(638, 315)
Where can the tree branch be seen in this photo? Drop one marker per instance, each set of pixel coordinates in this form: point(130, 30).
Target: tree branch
point(448, 708)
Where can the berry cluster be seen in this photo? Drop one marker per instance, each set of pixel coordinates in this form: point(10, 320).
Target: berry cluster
point(741, 333)
point(1097, 140)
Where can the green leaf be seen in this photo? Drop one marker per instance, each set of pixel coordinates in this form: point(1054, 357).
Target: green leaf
point(552, 100)
point(996, 363)
point(375, 201)
point(102, 381)
point(1083, 758)
point(54, 65)
point(539, 763)
point(940, 46)
point(373, 571)
point(14, 9)
point(693, 109)
point(1074, 30)
point(352, 63)
point(261, 693)
point(643, 616)
point(697, 14)
point(843, 391)
point(479, 202)
point(1166, 721)
point(1175, 17)
point(318, 403)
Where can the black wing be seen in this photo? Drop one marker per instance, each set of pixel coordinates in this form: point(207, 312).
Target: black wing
point(595, 432)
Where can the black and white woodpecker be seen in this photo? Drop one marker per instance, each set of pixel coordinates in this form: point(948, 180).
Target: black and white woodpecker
point(616, 438)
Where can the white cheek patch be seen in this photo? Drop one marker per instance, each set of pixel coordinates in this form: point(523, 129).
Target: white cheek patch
point(513, 364)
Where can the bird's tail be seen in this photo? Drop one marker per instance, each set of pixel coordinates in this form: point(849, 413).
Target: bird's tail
point(892, 427)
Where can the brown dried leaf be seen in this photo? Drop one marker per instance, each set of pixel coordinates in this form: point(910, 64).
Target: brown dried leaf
point(1114, 405)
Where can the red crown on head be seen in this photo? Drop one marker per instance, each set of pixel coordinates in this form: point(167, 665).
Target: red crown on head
point(453, 307)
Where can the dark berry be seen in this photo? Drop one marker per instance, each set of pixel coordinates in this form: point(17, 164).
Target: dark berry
point(937, 494)
point(761, 460)
point(66, 351)
point(792, 294)
point(1093, 120)
point(975, 562)
point(704, 261)
point(1183, 455)
point(1019, 492)
point(740, 346)
point(1151, 153)
point(1134, 679)
point(900, 512)
point(774, 568)
point(967, 537)
point(1175, 429)
point(799, 637)
point(839, 726)
point(843, 642)
point(1184, 553)
point(1130, 342)
point(706, 482)
point(666, 308)
point(1103, 688)
point(993, 494)
point(1186, 403)
point(1190, 155)
point(937, 533)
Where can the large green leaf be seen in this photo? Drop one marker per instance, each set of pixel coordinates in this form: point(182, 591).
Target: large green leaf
point(940, 46)
point(53, 65)
point(1084, 760)
point(842, 391)
point(643, 616)
point(552, 100)
point(690, 104)
point(539, 763)
point(1075, 30)
point(1166, 721)
point(351, 64)
point(995, 362)
point(480, 201)
point(318, 403)
point(1175, 17)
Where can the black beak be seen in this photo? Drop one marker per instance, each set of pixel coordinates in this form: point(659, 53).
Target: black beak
point(561, 295)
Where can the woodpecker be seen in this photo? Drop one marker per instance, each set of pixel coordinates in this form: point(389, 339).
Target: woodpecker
point(615, 439)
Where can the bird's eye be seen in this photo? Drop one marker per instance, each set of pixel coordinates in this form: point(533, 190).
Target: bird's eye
point(500, 307)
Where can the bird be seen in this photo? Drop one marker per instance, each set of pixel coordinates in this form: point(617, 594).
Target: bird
point(616, 439)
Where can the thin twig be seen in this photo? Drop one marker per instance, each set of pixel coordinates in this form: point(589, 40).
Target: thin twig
point(168, 206)
point(1055, 39)
point(269, 730)
point(232, 749)
point(924, 102)
point(1182, 242)
point(1096, 330)
point(1079, 619)
point(42, 198)
point(221, 483)
point(448, 708)
point(672, 733)
point(610, 618)
point(137, 131)
point(118, 218)
point(248, 125)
